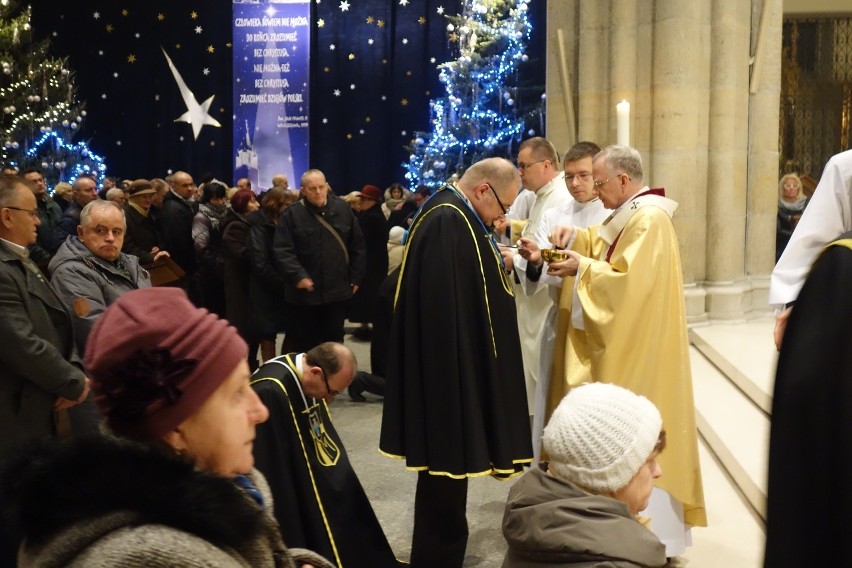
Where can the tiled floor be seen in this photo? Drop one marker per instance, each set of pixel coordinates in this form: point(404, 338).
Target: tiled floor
point(734, 538)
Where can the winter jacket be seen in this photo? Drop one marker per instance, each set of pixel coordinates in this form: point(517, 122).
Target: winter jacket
point(141, 235)
point(87, 284)
point(235, 230)
point(551, 522)
point(266, 286)
point(175, 223)
point(304, 248)
point(103, 502)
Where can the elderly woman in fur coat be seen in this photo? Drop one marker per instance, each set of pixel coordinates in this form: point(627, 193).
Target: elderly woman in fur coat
point(172, 482)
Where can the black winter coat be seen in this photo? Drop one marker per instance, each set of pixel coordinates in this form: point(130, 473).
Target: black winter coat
point(304, 248)
point(176, 225)
point(267, 312)
point(375, 229)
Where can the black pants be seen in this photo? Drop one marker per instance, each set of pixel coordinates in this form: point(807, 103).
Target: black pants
point(312, 325)
point(440, 522)
point(367, 382)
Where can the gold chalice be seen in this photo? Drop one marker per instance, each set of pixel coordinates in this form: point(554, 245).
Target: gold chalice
point(554, 255)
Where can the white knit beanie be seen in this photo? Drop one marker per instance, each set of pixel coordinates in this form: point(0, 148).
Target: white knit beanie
point(600, 435)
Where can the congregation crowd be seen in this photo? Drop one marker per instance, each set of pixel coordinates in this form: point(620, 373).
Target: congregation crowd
point(149, 417)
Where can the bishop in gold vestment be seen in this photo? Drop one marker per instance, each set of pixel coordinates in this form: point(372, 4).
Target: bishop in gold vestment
point(630, 326)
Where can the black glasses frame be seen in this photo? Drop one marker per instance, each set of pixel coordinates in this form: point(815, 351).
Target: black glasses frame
point(497, 197)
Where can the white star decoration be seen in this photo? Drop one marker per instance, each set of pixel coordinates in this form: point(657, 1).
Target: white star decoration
point(331, 47)
point(370, 41)
point(404, 132)
point(96, 15)
point(325, 121)
point(405, 41)
point(206, 71)
point(198, 29)
point(403, 2)
point(344, 6)
point(432, 60)
point(440, 9)
point(115, 75)
point(352, 86)
point(196, 114)
point(384, 97)
point(103, 96)
point(336, 92)
point(361, 131)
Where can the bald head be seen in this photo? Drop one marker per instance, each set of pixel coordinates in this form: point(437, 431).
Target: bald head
point(491, 185)
point(182, 184)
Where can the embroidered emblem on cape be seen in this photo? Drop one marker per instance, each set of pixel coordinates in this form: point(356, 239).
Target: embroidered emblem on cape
point(327, 451)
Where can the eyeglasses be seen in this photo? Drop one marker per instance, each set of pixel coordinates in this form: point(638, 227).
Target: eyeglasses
point(33, 212)
point(500, 203)
point(331, 391)
point(600, 183)
point(579, 177)
point(522, 166)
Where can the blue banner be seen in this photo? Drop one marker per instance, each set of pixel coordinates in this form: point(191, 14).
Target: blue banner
point(271, 84)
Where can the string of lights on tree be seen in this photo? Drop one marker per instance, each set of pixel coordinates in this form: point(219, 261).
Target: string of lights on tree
point(40, 113)
point(480, 115)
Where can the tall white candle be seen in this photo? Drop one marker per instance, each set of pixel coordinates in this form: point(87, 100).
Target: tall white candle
point(622, 111)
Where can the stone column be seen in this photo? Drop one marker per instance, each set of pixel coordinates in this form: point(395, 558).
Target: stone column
point(678, 158)
point(764, 112)
point(561, 16)
point(593, 83)
point(622, 64)
point(728, 295)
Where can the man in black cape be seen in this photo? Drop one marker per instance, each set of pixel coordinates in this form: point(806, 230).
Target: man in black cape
point(319, 502)
point(810, 444)
point(455, 403)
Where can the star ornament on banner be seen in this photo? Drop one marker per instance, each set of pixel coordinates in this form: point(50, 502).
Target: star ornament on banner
point(344, 6)
point(196, 114)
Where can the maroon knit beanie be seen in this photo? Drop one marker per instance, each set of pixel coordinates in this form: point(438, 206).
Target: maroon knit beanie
point(154, 358)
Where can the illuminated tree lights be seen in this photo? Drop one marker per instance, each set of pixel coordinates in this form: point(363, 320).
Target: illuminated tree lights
point(40, 113)
point(479, 116)
point(65, 160)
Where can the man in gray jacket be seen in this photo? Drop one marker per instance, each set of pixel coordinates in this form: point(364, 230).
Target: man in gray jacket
point(89, 271)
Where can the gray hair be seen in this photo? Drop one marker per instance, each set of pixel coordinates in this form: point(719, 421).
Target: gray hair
point(10, 185)
point(99, 205)
point(311, 172)
point(113, 192)
point(624, 159)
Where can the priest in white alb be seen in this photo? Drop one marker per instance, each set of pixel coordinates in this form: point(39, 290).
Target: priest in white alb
point(540, 171)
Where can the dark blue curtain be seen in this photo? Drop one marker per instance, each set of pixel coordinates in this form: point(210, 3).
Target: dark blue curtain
point(369, 93)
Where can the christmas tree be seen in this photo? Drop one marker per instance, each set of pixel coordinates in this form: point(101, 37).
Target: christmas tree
point(40, 114)
point(483, 113)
